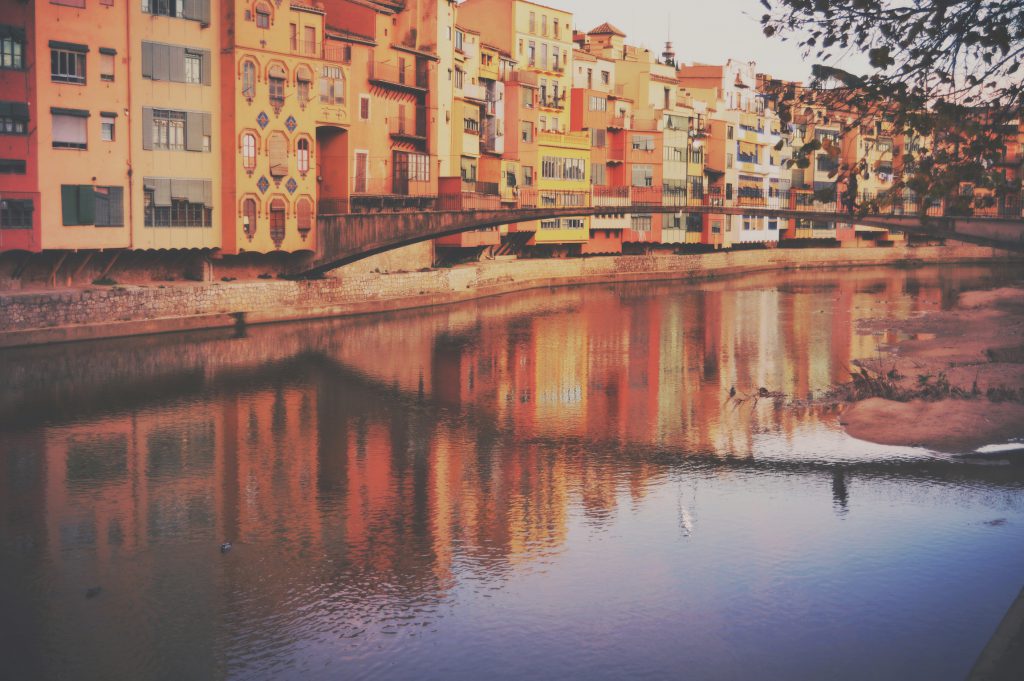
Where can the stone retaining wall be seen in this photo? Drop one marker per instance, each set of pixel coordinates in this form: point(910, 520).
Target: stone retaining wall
point(50, 316)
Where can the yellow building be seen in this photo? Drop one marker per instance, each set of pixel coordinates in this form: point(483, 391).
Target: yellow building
point(282, 83)
point(564, 180)
point(176, 130)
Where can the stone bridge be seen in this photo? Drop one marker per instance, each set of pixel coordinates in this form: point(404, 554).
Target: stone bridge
point(346, 238)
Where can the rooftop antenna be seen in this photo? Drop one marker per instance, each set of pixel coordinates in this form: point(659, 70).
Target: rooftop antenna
point(669, 55)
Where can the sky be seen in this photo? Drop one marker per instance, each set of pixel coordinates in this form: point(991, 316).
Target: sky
point(708, 32)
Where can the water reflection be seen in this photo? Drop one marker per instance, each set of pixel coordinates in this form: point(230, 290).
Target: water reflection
point(383, 478)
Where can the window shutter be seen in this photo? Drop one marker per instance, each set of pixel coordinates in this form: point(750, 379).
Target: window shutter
point(69, 204)
point(102, 203)
point(179, 188)
point(195, 191)
point(147, 128)
point(177, 63)
point(190, 9)
point(207, 68)
point(161, 192)
point(161, 61)
point(194, 131)
point(208, 127)
point(147, 60)
point(204, 11)
point(86, 205)
point(278, 152)
point(115, 200)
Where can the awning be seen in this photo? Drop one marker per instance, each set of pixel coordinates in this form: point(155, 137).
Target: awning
point(304, 73)
point(277, 71)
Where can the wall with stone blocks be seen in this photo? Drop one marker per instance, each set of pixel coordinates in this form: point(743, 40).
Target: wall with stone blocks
point(108, 311)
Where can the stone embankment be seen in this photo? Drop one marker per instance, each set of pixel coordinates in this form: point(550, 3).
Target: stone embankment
point(31, 318)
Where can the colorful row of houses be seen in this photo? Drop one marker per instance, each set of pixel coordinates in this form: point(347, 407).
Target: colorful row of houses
point(230, 126)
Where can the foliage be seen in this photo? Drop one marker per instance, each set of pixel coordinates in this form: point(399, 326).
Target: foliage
point(945, 72)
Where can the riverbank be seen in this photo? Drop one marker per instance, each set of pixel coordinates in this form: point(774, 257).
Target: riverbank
point(52, 316)
point(956, 376)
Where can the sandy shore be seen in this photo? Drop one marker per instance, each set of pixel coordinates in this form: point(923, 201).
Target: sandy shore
point(978, 348)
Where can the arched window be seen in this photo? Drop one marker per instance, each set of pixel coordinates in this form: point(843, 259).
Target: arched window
point(276, 76)
point(302, 155)
point(248, 79)
point(304, 212)
point(249, 217)
point(262, 15)
point(303, 84)
point(248, 151)
point(277, 149)
point(277, 218)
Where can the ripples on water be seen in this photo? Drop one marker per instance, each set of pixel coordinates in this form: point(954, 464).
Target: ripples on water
point(545, 485)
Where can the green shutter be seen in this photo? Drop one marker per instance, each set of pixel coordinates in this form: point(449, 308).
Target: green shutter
point(86, 205)
point(69, 204)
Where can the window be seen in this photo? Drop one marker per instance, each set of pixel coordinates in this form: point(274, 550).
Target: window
point(543, 24)
point(598, 176)
point(460, 77)
point(728, 160)
point(598, 103)
point(16, 213)
point(304, 216)
point(262, 17)
point(309, 40)
point(83, 204)
point(12, 48)
point(533, 22)
point(276, 91)
point(606, 77)
point(598, 138)
point(640, 223)
point(70, 128)
point(459, 37)
point(13, 118)
point(277, 221)
point(176, 63)
point(527, 176)
point(169, 130)
point(471, 125)
point(302, 155)
point(12, 166)
point(303, 91)
point(557, 32)
point(532, 53)
point(527, 131)
point(109, 208)
point(193, 68)
point(527, 98)
point(67, 66)
point(572, 223)
point(643, 143)
point(643, 175)
point(364, 107)
point(559, 168)
point(249, 217)
point(468, 169)
point(249, 151)
point(730, 131)
point(248, 80)
point(197, 10)
point(332, 86)
point(107, 128)
point(549, 224)
point(106, 64)
point(543, 55)
point(277, 150)
point(177, 202)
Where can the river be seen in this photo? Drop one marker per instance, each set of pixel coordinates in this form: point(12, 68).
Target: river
point(550, 485)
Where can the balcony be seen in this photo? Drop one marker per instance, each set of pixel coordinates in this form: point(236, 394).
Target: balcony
point(620, 122)
point(647, 124)
point(410, 127)
point(402, 76)
point(475, 91)
point(551, 102)
point(310, 48)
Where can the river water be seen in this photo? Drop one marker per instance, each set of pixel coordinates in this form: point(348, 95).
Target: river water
point(549, 485)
